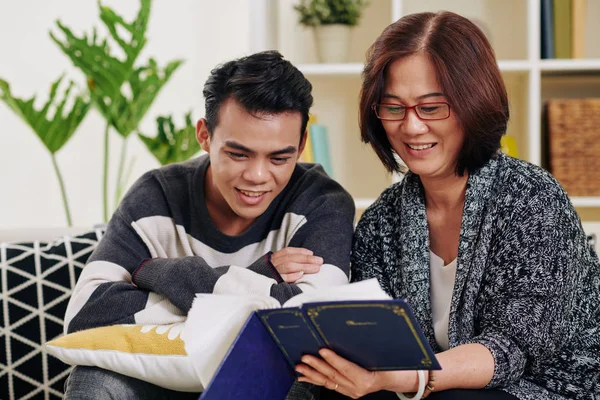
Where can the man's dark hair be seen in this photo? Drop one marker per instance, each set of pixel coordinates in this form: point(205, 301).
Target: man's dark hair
point(262, 83)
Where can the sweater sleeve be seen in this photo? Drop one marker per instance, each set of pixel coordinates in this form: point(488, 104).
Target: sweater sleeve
point(531, 281)
point(104, 294)
point(126, 281)
point(367, 261)
point(179, 279)
point(327, 231)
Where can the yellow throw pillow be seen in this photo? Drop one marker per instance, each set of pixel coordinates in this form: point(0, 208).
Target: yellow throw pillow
point(152, 353)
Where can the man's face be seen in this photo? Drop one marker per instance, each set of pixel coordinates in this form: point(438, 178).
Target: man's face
point(251, 161)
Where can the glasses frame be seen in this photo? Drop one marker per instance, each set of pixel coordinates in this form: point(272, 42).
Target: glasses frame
point(407, 108)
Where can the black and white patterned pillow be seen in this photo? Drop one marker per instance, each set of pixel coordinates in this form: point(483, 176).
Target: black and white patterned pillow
point(36, 280)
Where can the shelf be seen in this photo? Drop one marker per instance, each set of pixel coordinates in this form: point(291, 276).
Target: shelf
point(355, 69)
point(568, 65)
point(514, 65)
point(586, 201)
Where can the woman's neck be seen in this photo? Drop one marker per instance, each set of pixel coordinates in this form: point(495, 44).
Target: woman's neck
point(445, 193)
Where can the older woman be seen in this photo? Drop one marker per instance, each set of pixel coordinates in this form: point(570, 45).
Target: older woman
point(487, 249)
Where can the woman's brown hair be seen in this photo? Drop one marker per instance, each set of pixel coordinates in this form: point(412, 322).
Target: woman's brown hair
point(468, 75)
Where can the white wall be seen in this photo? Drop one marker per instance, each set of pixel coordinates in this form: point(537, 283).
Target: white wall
point(203, 32)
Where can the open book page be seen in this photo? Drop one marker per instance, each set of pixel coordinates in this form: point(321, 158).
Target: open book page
point(214, 320)
point(212, 325)
point(364, 290)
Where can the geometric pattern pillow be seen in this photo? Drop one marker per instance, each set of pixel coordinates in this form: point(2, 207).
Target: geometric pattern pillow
point(36, 282)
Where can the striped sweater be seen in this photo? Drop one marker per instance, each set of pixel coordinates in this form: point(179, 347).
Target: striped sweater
point(164, 226)
point(527, 282)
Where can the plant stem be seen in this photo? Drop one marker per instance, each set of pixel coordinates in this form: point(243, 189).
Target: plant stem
point(120, 180)
point(63, 192)
point(105, 178)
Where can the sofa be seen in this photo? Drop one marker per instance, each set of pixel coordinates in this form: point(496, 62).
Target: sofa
point(38, 271)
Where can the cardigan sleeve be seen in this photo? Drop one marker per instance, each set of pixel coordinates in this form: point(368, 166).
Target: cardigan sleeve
point(529, 285)
point(366, 259)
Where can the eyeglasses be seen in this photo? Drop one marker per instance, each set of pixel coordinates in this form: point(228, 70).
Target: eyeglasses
point(425, 111)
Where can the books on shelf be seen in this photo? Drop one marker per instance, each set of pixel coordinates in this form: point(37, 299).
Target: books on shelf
point(562, 28)
point(547, 29)
point(320, 142)
point(358, 321)
point(578, 26)
point(316, 149)
point(307, 154)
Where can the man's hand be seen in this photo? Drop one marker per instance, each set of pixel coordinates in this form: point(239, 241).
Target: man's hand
point(293, 262)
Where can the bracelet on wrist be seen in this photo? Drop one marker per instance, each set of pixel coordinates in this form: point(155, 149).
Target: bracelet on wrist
point(420, 388)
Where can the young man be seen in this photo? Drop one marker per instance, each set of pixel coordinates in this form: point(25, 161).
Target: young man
point(245, 218)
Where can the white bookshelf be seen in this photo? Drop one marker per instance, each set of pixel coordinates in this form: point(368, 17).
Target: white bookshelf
point(590, 65)
point(513, 28)
point(586, 201)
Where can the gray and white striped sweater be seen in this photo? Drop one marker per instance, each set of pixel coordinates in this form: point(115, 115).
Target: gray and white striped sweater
point(164, 218)
point(527, 282)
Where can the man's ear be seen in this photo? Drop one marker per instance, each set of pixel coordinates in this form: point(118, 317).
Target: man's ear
point(302, 143)
point(202, 134)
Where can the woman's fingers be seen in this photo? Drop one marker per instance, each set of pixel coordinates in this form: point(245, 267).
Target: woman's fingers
point(322, 373)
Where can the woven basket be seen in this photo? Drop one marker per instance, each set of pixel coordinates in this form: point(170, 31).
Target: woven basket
point(574, 144)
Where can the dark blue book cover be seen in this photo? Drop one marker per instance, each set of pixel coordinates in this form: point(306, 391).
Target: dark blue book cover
point(547, 29)
point(377, 335)
point(293, 333)
point(253, 369)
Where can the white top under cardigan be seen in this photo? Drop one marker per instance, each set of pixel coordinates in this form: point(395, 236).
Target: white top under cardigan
point(442, 285)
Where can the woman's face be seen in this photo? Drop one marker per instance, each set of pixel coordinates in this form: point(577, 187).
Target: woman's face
point(429, 148)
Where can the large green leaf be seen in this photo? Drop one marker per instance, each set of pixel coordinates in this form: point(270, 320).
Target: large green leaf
point(126, 111)
point(171, 144)
point(53, 123)
point(105, 72)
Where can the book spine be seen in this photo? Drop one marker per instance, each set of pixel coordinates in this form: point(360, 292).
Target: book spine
point(547, 30)
point(320, 143)
point(578, 24)
point(562, 29)
point(307, 154)
point(315, 329)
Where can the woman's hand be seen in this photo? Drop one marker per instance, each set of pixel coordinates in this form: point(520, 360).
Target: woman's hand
point(339, 374)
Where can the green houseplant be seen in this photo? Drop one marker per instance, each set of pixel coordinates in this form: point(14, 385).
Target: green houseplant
point(331, 21)
point(53, 128)
point(172, 144)
point(120, 90)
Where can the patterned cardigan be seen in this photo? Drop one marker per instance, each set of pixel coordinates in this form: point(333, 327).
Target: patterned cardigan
point(527, 282)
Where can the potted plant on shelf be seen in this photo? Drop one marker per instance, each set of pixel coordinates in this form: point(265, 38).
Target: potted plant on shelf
point(332, 22)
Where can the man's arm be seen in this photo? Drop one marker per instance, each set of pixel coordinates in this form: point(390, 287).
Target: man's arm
point(324, 236)
point(128, 281)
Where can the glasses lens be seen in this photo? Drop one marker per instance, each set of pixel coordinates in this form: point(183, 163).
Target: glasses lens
point(433, 111)
point(390, 111)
